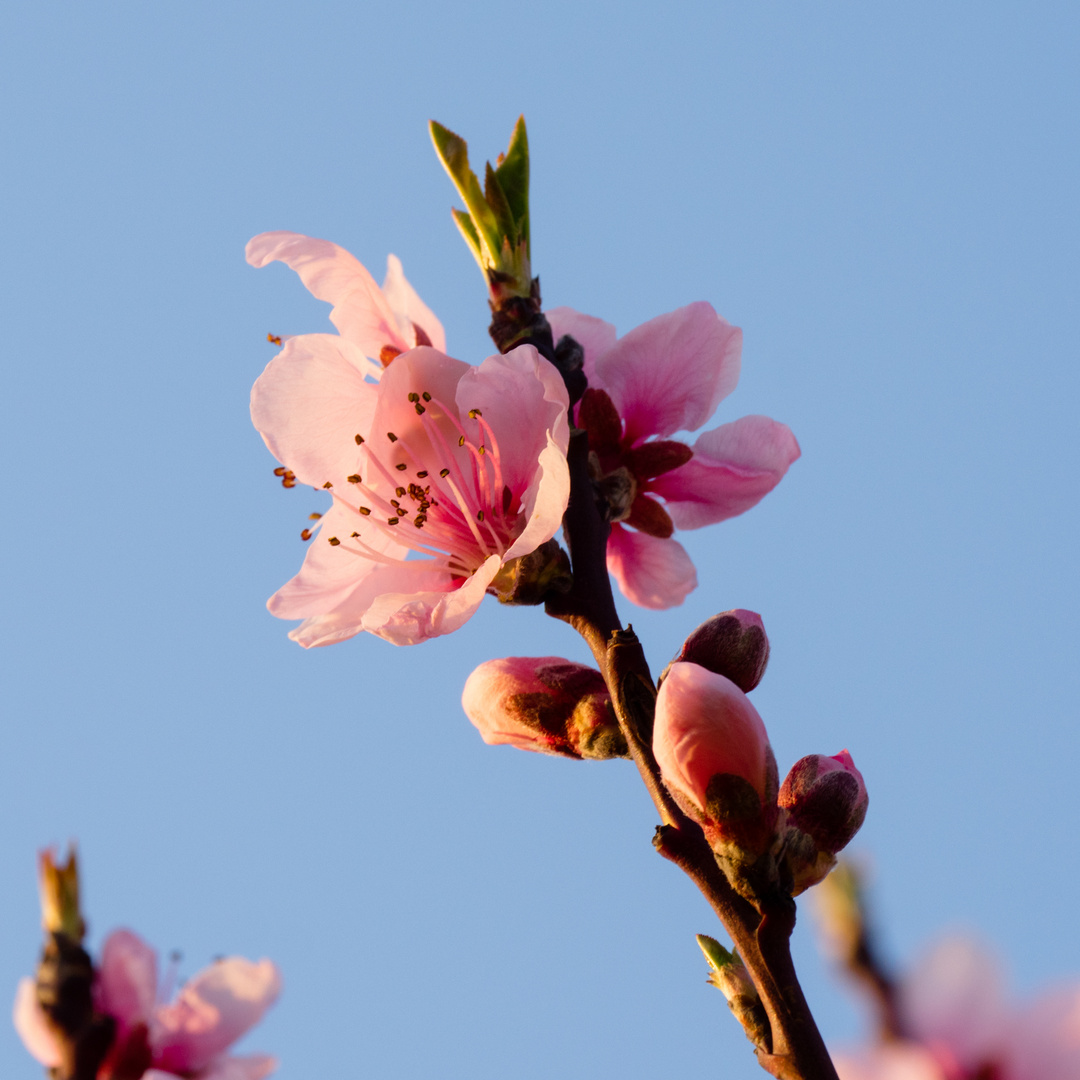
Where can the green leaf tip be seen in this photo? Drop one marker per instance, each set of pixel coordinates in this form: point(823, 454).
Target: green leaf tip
point(718, 957)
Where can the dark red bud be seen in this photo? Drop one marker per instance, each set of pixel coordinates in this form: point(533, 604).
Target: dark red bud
point(732, 644)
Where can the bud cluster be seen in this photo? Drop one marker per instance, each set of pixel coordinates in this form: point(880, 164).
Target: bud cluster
point(715, 758)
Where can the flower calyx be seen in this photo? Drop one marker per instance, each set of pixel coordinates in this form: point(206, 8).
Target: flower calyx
point(532, 578)
point(545, 704)
point(621, 472)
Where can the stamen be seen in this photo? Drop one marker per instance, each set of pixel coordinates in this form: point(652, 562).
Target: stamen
point(280, 470)
point(328, 485)
point(359, 440)
point(402, 466)
point(414, 397)
point(333, 541)
point(474, 413)
point(391, 436)
point(314, 517)
point(274, 339)
point(306, 534)
point(365, 510)
point(353, 478)
point(426, 396)
point(421, 475)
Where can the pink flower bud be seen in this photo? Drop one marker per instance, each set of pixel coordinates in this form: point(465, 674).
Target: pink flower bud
point(543, 703)
point(715, 758)
point(825, 801)
point(732, 644)
point(825, 797)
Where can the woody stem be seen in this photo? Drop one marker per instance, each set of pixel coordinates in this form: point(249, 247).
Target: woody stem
point(795, 1049)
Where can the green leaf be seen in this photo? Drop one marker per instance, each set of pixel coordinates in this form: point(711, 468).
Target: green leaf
point(468, 231)
point(496, 199)
point(454, 154)
point(513, 174)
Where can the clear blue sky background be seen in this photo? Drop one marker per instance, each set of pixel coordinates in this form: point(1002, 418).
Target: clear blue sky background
point(883, 196)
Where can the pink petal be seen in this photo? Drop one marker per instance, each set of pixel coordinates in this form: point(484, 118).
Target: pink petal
point(897, 1061)
point(331, 574)
point(345, 618)
point(1044, 1038)
point(127, 979)
point(594, 335)
point(955, 997)
point(522, 398)
point(544, 501)
point(311, 402)
point(734, 466)
point(705, 726)
point(361, 312)
point(670, 373)
point(250, 1067)
point(212, 1011)
point(651, 572)
point(32, 1027)
point(402, 298)
point(407, 618)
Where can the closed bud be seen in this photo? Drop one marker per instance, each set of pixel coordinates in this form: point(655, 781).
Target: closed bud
point(732, 644)
point(714, 756)
point(825, 801)
point(546, 704)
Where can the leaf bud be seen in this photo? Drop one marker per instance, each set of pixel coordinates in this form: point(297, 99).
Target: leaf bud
point(729, 975)
point(715, 758)
point(546, 704)
point(59, 887)
point(732, 644)
point(825, 802)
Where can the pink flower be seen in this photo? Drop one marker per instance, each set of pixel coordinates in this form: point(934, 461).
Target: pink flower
point(546, 704)
point(460, 471)
point(667, 376)
point(714, 755)
point(320, 389)
point(186, 1038)
point(961, 1026)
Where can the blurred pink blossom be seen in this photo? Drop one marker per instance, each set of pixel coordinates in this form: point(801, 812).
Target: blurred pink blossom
point(458, 471)
point(664, 377)
point(187, 1037)
point(963, 1027)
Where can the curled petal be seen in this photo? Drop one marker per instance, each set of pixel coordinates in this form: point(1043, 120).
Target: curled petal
point(32, 1026)
point(212, 1011)
point(402, 298)
point(670, 373)
point(309, 404)
point(127, 979)
point(361, 311)
point(544, 501)
point(594, 335)
point(734, 466)
point(651, 572)
point(407, 618)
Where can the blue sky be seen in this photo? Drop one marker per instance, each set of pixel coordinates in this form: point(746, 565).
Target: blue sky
point(883, 198)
